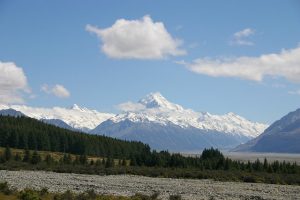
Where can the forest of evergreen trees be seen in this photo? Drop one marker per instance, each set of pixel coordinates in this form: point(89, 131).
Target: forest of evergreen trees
point(28, 133)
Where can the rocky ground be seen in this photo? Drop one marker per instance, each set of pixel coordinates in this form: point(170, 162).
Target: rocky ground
point(128, 185)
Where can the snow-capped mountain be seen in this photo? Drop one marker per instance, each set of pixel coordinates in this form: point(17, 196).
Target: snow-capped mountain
point(155, 121)
point(156, 108)
point(76, 117)
point(163, 124)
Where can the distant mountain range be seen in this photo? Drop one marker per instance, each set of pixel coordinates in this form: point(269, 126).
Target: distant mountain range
point(11, 112)
point(157, 122)
point(283, 136)
point(75, 117)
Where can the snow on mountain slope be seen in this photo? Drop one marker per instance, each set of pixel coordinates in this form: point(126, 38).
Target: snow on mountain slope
point(76, 117)
point(155, 108)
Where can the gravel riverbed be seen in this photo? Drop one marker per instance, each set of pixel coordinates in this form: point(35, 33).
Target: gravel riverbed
point(126, 185)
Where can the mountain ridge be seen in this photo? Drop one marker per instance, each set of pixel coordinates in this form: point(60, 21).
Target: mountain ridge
point(283, 136)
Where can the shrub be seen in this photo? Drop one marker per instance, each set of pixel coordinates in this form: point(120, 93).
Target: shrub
point(154, 196)
point(249, 179)
point(4, 188)
point(7, 154)
point(67, 195)
point(91, 194)
point(44, 191)
point(139, 196)
point(29, 194)
point(175, 197)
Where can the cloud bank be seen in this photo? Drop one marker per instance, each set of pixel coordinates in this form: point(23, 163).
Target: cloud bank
point(137, 39)
point(57, 90)
point(285, 64)
point(13, 83)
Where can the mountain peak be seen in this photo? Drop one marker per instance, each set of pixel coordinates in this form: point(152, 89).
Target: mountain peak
point(156, 100)
point(76, 107)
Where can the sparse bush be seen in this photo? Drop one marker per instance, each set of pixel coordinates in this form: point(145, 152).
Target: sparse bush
point(7, 154)
point(88, 195)
point(67, 195)
point(175, 197)
point(44, 191)
point(4, 188)
point(154, 196)
point(139, 196)
point(249, 179)
point(91, 194)
point(36, 158)
point(29, 194)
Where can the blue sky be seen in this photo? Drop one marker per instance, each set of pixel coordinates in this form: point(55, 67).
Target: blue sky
point(50, 42)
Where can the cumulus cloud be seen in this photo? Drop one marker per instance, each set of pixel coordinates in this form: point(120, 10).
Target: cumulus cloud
point(285, 64)
point(13, 83)
point(137, 39)
point(130, 106)
point(242, 37)
point(57, 90)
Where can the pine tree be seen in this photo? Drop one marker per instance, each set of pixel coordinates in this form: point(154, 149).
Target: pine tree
point(265, 166)
point(124, 162)
point(48, 159)
point(77, 160)
point(67, 159)
point(103, 161)
point(92, 162)
point(98, 162)
point(7, 154)
point(83, 159)
point(227, 164)
point(109, 163)
point(18, 157)
point(36, 158)
point(249, 166)
point(27, 156)
point(270, 169)
point(133, 161)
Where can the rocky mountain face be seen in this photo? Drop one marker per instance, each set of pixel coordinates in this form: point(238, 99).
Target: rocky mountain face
point(283, 136)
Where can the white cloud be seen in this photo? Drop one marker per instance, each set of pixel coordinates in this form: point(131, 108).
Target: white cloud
point(285, 64)
point(57, 90)
point(137, 39)
point(130, 106)
point(13, 83)
point(296, 92)
point(241, 37)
